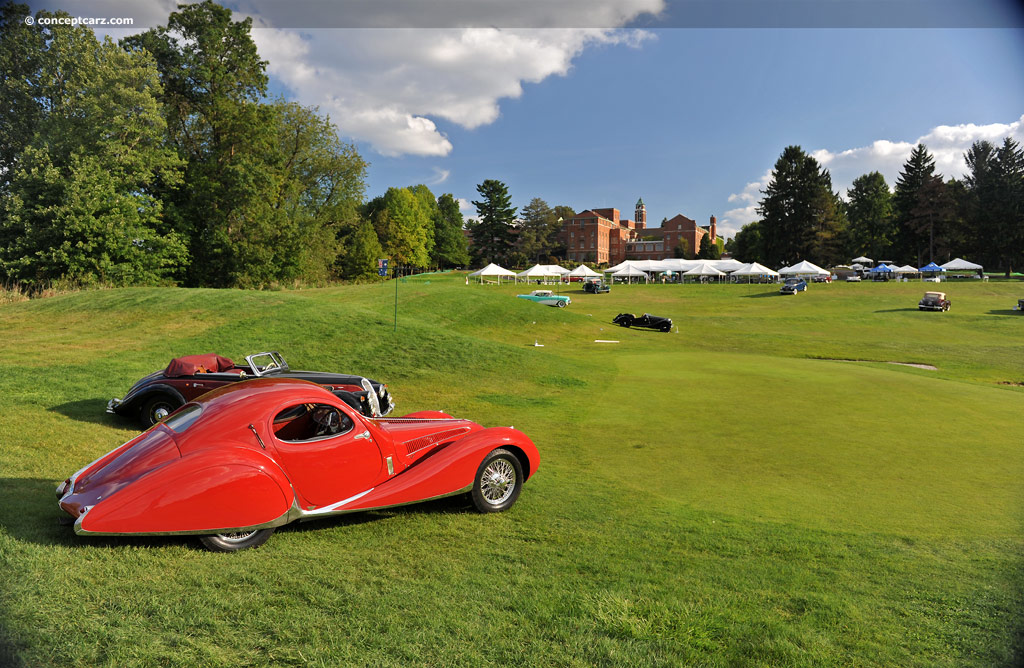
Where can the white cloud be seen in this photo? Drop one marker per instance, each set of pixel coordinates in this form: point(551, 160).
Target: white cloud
point(387, 87)
point(439, 177)
point(946, 143)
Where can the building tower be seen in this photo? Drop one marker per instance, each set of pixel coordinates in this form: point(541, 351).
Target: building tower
point(713, 230)
point(641, 214)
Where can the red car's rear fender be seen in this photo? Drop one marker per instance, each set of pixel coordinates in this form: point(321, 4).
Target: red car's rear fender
point(449, 470)
point(211, 490)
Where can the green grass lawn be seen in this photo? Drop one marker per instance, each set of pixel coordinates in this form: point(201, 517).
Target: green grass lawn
point(760, 487)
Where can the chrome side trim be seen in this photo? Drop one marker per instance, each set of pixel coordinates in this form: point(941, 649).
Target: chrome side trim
point(311, 515)
point(334, 506)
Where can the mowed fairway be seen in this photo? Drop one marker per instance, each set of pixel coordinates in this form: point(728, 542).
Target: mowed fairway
point(759, 488)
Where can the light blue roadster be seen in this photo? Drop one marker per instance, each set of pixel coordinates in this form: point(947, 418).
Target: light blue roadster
point(547, 297)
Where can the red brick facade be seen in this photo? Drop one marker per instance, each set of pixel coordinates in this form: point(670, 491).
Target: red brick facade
point(600, 235)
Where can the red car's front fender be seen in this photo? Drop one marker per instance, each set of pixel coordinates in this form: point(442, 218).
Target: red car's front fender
point(449, 470)
point(211, 490)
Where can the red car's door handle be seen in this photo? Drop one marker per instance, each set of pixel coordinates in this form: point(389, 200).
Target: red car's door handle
point(365, 434)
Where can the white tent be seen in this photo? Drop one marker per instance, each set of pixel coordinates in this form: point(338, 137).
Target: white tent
point(906, 269)
point(755, 269)
point(704, 270)
point(558, 270)
point(728, 266)
point(583, 271)
point(539, 271)
point(862, 260)
point(803, 268)
point(492, 271)
point(960, 264)
point(629, 272)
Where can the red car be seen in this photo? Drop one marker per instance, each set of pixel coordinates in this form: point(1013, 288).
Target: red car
point(246, 458)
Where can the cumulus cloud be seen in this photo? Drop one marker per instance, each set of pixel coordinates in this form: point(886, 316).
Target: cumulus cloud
point(388, 86)
point(946, 143)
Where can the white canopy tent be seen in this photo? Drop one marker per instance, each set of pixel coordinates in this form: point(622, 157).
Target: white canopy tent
point(629, 272)
point(960, 264)
point(583, 271)
point(704, 270)
point(803, 268)
point(862, 260)
point(492, 271)
point(755, 269)
point(539, 271)
point(906, 269)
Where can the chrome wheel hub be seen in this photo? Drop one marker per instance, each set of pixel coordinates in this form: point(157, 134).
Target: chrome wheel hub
point(498, 481)
point(161, 412)
point(236, 537)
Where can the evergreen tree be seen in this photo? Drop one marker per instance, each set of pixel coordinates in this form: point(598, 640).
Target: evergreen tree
point(450, 248)
point(917, 171)
point(492, 235)
point(870, 212)
point(801, 217)
point(994, 204)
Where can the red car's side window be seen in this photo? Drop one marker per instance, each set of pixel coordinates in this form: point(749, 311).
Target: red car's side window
point(307, 422)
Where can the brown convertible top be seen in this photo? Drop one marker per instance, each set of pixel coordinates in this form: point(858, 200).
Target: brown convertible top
point(193, 364)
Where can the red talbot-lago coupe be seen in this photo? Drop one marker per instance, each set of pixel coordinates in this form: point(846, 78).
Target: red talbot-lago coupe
point(239, 461)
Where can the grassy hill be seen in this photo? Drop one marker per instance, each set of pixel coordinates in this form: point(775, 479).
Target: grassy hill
point(762, 486)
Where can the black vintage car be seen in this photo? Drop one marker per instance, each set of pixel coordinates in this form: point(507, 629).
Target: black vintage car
point(646, 320)
point(596, 287)
point(159, 394)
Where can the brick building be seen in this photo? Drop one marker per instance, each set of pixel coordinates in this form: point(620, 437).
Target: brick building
point(602, 236)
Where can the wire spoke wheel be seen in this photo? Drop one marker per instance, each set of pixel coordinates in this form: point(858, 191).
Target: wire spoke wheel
point(498, 482)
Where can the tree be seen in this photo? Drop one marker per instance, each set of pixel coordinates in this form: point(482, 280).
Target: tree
point(22, 49)
point(801, 217)
point(214, 81)
point(682, 248)
point(403, 226)
point(321, 181)
point(450, 248)
point(709, 249)
point(79, 202)
point(917, 171)
point(994, 203)
point(746, 245)
point(870, 212)
point(538, 229)
point(362, 250)
point(492, 236)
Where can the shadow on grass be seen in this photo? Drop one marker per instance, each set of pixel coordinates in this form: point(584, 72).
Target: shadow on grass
point(90, 410)
point(29, 513)
point(761, 295)
point(898, 310)
point(1007, 311)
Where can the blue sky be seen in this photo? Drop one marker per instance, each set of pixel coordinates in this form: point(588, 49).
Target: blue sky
point(604, 103)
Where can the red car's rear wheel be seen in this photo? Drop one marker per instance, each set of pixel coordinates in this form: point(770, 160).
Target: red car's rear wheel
point(239, 540)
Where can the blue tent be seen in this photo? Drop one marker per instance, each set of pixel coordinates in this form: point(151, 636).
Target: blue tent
point(931, 267)
point(881, 269)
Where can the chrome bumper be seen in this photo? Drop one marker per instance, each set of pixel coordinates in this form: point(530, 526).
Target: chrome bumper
point(113, 404)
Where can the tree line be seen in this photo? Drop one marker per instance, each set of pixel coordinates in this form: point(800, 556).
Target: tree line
point(924, 218)
point(161, 159)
